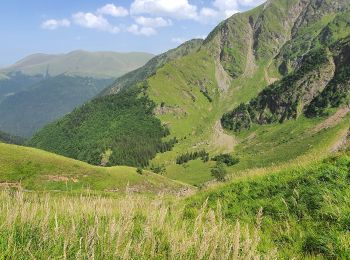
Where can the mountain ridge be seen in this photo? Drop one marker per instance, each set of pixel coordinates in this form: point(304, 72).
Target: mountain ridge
point(80, 63)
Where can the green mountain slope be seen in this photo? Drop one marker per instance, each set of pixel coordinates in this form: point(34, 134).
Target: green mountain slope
point(275, 43)
point(34, 169)
point(42, 88)
point(122, 124)
point(320, 82)
point(151, 66)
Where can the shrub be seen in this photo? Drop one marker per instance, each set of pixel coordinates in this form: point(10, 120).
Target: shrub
point(325, 245)
point(219, 172)
point(159, 169)
point(184, 158)
point(227, 159)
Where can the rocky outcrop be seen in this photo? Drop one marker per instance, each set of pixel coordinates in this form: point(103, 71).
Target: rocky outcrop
point(337, 92)
point(288, 98)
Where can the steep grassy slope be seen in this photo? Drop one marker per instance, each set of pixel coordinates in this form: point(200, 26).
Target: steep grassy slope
point(240, 58)
point(304, 210)
point(139, 75)
point(261, 146)
point(34, 169)
point(80, 63)
point(25, 112)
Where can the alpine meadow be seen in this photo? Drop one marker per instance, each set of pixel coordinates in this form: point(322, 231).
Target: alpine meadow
point(234, 146)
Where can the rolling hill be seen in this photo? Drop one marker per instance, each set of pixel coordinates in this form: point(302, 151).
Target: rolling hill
point(80, 63)
point(57, 84)
point(249, 89)
point(38, 170)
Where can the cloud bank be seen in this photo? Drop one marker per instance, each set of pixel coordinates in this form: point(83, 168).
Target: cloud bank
point(145, 17)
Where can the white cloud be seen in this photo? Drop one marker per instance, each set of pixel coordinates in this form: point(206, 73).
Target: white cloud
point(180, 9)
point(146, 25)
point(152, 22)
point(92, 21)
point(149, 15)
point(137, 30)
point(53, 24)
point(112, 10)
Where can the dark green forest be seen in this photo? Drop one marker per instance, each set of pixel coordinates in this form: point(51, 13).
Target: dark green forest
point(122, 130)
point(11, 139)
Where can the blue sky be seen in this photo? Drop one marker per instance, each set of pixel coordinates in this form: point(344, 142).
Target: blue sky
point(60, 26)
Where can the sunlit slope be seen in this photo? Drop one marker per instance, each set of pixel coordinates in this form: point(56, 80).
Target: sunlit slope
point(304, 207)
point(242, 57)
point(195, 121)
point(34, 169)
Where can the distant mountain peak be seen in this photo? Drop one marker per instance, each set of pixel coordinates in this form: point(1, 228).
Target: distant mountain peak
point(80, 62)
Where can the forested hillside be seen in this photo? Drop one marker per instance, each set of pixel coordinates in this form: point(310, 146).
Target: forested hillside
point(122, 130)
point(10, 139)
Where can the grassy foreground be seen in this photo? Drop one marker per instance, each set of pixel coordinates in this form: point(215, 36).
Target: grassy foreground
point(49, 227)
point(298, 212)
point(305, 208)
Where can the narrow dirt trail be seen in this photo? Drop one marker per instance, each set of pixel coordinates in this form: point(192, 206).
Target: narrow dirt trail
point(332, 120)
point(222, 141)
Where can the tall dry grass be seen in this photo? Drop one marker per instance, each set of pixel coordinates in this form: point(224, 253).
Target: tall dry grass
point(34, 226)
